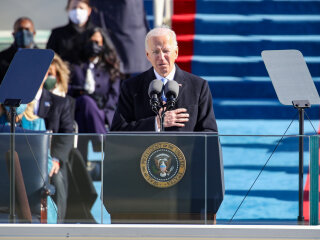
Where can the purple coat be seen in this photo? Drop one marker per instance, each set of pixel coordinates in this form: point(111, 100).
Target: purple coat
point(95, 110)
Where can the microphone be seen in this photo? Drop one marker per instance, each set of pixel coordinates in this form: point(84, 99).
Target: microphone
point(154, 92)
point(171, 91)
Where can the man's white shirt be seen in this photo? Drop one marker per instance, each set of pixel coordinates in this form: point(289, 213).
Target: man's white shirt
point(169, 77)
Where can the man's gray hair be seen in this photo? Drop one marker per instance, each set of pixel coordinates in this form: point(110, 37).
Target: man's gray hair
point(160, 31)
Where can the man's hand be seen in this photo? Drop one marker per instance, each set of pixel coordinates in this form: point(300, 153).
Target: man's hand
point(175, 118)
point(55, 168)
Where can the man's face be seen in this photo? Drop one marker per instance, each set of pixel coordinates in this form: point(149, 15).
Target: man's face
point(24, 33)
point(24, 25)
point(162, 53)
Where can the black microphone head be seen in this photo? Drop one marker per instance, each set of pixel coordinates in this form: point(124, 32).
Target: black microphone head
point(171, 89)
point(155, 87)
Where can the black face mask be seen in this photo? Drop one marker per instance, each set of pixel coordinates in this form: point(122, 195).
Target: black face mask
point(92, 49)
point(23, 38)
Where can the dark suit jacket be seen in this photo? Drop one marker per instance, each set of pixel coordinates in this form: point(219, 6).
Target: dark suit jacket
point(65, 41)
point(6, 57)
point(134, 112)
point(56, 112)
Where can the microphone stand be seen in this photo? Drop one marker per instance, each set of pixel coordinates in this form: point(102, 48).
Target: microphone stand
point(161, 117)
point(155, 106)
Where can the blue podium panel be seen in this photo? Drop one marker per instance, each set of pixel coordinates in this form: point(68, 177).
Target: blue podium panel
point(25, 74)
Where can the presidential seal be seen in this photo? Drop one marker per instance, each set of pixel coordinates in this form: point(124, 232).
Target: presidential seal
point(163, 164)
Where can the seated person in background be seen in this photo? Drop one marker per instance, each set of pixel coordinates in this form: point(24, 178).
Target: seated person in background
point(58, 77)
point(57, 117)
point(58, 80)
point(23, 38)
point(23, 33)
point(56, 111)
point(64, 40)
point(96, 83)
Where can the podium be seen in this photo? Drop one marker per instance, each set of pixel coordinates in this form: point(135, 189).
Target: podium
point(163, 177)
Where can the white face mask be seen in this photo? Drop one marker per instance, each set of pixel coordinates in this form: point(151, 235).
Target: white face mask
point(78, 16)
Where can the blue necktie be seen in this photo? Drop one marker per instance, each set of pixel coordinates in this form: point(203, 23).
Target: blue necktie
point(163, 96)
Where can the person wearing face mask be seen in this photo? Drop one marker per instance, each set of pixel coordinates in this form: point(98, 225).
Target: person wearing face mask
point(58, 77)
point(64, 40)
point(96, 83)
point(58, 80)
point(78, 178)
point(55, 110)
point(23, 33)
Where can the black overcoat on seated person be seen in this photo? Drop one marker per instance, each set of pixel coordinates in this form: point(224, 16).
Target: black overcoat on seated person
point(66, 41)
point(56, 112)
point(6, 57)
point(134, 112)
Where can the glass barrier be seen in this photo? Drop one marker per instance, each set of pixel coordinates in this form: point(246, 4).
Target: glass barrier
point(262, 179)
point(163, 178)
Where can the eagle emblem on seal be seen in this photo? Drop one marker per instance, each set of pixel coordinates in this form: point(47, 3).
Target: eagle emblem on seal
point(163, 164)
